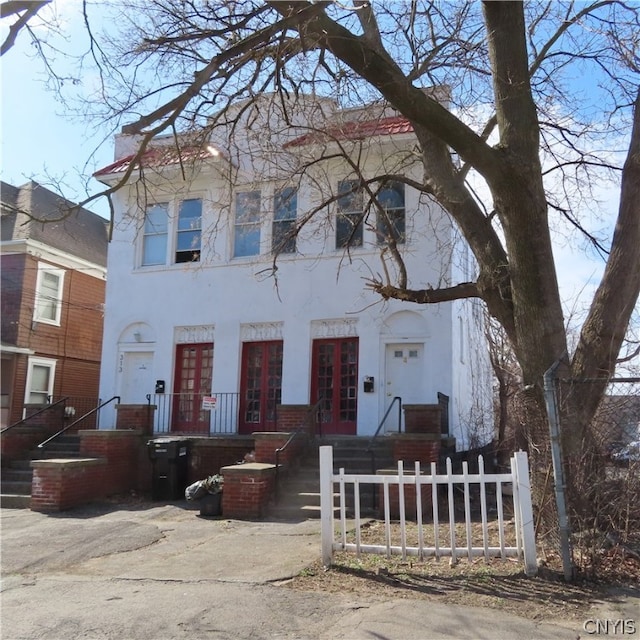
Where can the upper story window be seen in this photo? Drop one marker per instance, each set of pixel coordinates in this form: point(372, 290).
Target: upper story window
point(246, 240)
point(285, 205)
point(188, 236)
point(156, 226)
point(390, 222)
point(172, 232)
point(349, 220)
point(49, 289)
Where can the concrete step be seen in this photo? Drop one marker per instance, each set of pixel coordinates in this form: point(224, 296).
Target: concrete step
point(67, 446)
point(15, 501)
point(16, 465)
point(299, 493)
point(17, 475)
point(22, 488)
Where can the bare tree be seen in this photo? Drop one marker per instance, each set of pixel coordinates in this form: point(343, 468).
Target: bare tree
point(519, 147)
point(22, 11)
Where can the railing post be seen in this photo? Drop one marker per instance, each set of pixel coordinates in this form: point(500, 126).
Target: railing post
point(526, 513)
point(326, 504)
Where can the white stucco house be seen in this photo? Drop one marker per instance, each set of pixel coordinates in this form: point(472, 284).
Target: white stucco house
point(211, 294)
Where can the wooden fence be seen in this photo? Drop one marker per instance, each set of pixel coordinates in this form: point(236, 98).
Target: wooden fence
point(474, 514)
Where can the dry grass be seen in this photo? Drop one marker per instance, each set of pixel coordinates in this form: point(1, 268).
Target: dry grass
point(495, 583)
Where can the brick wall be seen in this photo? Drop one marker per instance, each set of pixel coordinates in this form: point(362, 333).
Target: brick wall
point(247, 491)
point(75, 344)
point(12, 271)
point(416, 447)
point(208, 455)
point(18, 441)
point(121, 451)
point(411, 448)
point(135, 416)
point(422, 418)
point(62, 484)
point(291, 417)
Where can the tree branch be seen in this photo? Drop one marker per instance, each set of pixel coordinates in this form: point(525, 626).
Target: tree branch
point(12, 8)
point(425, 296)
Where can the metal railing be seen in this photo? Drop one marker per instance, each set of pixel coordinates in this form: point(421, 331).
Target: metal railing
point(81, 406)
point(47, 407)
point(295, 435)
point(186, 412)
point(370, 448)
point(78, 421)
point(313, 413)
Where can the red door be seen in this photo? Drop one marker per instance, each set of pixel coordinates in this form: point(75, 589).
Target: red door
point(260, 385)
point(334, 382)
point(194, 368)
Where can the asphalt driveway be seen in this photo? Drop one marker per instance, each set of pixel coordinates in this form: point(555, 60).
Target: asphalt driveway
point(161, 572)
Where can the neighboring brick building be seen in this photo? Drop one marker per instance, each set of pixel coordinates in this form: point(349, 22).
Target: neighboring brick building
point(53, 262)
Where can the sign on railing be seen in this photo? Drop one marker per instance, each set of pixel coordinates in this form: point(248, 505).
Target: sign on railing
point(442, 522)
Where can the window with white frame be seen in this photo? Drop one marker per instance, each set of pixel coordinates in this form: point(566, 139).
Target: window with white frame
point(246, 241)
point(172, 232)
point(49, 290)
point(40, 378)
point(188, 235)
point(283, 234)
point(156, 229)
point(349, 219)
point(390, 221)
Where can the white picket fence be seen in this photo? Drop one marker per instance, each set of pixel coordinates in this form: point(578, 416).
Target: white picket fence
point(342, 534)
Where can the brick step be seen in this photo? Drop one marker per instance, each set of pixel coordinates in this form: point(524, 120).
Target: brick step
point(16, 465)
point(17, 475)
point(62, 447)
point(17, 487)
point(299, 493)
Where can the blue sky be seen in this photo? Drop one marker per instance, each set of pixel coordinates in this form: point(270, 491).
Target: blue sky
point(41, 139)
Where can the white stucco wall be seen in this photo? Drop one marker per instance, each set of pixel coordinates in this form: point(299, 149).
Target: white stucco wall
point(318, 292)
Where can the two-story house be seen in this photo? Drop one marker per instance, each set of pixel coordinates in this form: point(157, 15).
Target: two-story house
point(238, 270)
point(53, 262)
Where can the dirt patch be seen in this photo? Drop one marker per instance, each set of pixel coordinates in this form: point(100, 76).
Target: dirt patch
point(496, 583)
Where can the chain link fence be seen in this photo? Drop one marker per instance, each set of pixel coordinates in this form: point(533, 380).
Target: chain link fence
point(601, 473)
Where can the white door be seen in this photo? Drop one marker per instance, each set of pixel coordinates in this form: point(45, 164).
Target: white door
point(137, 377)
point(404, 377)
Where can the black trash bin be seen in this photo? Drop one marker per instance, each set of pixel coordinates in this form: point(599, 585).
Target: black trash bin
point(170, 460)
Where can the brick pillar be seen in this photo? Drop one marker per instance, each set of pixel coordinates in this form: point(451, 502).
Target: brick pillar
point(266, 443)
point(422, 418)
point(66, 483)
point(247, 490)
point(416, 447)
point(291, 417)
point(121, 449)
point(136, 416)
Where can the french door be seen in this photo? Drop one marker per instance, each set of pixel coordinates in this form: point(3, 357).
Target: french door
point(260, 385)
point(194, 369)
point(334, 383)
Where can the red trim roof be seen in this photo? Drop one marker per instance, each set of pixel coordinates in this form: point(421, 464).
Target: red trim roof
point(355, 130)
point(158, 157)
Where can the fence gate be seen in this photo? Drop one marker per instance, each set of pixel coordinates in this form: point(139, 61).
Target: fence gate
point(444, 525)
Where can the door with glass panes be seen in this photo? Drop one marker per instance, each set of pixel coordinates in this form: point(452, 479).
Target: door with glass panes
point(260, 385)
point(194, 368)
point(334, 384)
